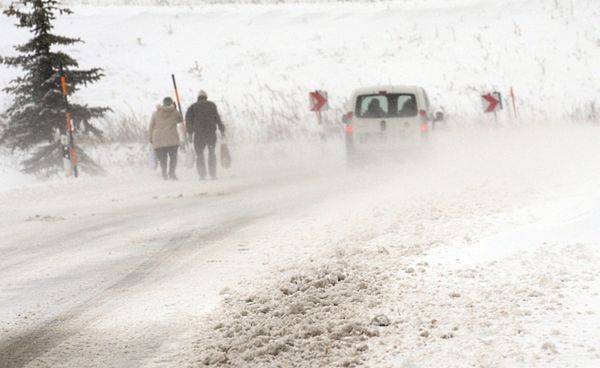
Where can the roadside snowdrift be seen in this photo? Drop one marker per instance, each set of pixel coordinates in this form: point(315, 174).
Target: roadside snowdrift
point(312, 319)
point(482, 259)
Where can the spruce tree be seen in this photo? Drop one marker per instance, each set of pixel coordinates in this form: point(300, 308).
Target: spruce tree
point(37, 114)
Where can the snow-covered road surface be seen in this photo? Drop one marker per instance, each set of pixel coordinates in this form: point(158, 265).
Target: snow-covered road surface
point(81, 255)
point(481, 250)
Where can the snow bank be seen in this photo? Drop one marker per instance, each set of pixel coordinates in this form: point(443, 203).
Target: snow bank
point(309, 320)
point(482, 259)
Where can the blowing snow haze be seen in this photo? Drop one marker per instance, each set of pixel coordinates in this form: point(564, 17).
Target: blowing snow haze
point(323, 245)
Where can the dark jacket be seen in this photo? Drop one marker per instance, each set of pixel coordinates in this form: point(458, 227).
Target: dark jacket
point(203, 119)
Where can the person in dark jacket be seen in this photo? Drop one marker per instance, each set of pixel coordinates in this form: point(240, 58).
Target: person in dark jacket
point(164, 137)
point(374, 110)
point(202, 121)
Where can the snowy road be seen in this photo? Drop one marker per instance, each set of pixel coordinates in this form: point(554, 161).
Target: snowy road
point(66, 269)
point(482, 250)
point(129, 271)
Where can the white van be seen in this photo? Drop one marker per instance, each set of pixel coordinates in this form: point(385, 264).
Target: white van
point(387, 117)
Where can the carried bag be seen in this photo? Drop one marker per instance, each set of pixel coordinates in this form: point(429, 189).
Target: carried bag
point(225, 156)
point(181, 133)
point(190, 156)
point(152, 159)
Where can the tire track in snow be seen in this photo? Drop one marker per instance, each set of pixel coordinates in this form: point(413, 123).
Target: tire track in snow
point(120, 219)
point(29, 345)
point(19, 351)
point(94, 228)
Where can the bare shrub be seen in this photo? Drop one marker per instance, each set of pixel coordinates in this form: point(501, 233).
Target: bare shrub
point(121, 128)
point(273, 116)
point(586, 112)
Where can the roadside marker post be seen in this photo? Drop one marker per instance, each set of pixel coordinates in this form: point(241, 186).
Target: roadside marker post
point(318, 102)
point(182, 130)
point(186, 147)
point(512, 97)
point(176, 93)
point(69, 150)
point(492, 102)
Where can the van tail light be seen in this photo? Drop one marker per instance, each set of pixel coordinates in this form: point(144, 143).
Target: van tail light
point(424, 121)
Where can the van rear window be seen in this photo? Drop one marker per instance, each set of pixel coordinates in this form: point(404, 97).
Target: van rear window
point(390, 105)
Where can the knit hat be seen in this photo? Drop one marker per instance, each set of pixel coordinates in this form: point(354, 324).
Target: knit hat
point(167, 101)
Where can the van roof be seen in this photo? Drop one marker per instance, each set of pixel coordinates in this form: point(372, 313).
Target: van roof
point(387, 88)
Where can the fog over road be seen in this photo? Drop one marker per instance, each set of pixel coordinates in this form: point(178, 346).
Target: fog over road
point(77, 253)
point(126, 270)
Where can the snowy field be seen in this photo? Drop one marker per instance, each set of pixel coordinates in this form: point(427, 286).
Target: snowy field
point(482, 249)
point(259, 61)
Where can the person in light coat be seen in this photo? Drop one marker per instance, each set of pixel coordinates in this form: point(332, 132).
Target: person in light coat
point(164, 136)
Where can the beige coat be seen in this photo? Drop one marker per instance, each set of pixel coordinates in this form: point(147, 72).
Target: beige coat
point(163, 126)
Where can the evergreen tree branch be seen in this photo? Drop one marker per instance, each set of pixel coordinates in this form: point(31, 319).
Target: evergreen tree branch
point(37, 113)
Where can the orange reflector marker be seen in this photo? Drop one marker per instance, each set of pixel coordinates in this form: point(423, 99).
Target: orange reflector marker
point(73, 154)
point(69, 126)
point(63, 84)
